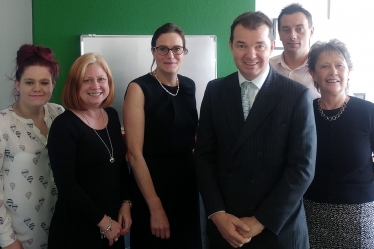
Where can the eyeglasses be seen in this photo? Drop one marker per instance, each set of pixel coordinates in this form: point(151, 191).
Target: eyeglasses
point(163, 50)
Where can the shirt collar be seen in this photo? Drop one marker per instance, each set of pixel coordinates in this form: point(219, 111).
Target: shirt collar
point(283, 63)
point(259, 81)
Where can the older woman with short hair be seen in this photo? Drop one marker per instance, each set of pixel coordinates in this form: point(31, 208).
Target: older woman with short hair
point(339, 203)
point(87, 155)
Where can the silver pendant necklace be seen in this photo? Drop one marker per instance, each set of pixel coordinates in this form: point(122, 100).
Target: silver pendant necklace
point(172, 94)
point(333, 117)
point(111, 160)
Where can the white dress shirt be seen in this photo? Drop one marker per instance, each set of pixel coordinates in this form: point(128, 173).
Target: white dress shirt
point(299, 74)
point(259, 81)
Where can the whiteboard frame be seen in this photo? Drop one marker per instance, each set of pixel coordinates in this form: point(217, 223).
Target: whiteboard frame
point(129, 57)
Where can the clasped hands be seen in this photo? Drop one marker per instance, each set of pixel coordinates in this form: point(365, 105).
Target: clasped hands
point(237, 231)
point(118, 228)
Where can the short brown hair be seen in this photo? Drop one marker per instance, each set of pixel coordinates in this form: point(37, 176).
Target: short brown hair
point(252, 21)
point(74, 81)
point(333, 45)
point(292, 9)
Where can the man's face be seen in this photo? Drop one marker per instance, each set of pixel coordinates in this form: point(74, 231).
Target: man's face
point(251, 50)
point(294, 32)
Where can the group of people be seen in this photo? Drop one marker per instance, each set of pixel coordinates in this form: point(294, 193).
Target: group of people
point(281, 154)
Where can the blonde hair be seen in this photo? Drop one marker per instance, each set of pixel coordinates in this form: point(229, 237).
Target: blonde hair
point(74, 81)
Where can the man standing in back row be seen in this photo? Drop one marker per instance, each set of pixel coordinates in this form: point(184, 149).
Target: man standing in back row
point(256, 147)
point(295, 28)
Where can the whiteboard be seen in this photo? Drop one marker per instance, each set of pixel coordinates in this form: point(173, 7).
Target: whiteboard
point(129, 57)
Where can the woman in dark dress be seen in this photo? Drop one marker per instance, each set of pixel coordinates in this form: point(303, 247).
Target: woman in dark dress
point(160, 121)
point(339, 203)
point(87, 155)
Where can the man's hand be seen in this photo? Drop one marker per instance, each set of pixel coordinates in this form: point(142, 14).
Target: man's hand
point(255, 227)
point(228, 225)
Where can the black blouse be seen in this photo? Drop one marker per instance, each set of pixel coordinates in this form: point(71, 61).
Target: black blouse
point(89, 186)
point(170, 122)
point(344, 166)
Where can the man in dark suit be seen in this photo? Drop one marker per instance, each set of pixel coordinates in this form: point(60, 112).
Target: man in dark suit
point(256, 147)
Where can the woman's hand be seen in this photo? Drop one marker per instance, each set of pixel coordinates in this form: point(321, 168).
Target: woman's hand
point(124, 217)
point(15, 245)
point(112, 234)
point(160, 224)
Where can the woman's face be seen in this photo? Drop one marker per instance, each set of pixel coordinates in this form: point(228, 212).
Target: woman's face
point(331, 73)
point(95, 87)
point(35, 86)
point(169, 63)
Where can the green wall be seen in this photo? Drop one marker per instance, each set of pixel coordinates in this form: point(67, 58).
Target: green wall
point(58, 24)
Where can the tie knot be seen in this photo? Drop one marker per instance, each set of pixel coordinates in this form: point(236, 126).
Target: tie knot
point(245, 85)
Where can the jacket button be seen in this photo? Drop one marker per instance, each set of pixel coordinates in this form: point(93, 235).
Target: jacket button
point(259, 153)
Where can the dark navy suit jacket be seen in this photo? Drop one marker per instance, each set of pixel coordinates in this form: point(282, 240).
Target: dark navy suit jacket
point(259, 167)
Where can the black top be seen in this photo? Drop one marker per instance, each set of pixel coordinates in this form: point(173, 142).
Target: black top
point(169, 138)
point(89, 186)
point(171, 122)
point(344, 166)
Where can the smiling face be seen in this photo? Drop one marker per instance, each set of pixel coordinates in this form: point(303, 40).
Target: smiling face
point(251, 50)
point(169, 63)
point(95, 88)
point(35, 86)
point(294, 32)
point(331, 73)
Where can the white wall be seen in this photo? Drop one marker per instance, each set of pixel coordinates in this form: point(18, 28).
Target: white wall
point(318, 9)
point(15, 30)
point(350, 22)
point(272, 8)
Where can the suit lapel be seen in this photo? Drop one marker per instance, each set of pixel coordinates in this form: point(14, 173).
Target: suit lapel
point(266, 100)
point(231, 98)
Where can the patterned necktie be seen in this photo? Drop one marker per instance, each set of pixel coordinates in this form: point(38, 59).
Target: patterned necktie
point(245, 98)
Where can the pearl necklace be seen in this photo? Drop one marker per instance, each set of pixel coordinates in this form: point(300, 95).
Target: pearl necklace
point(111, 160)
point(172, 94)
point(335, 117)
